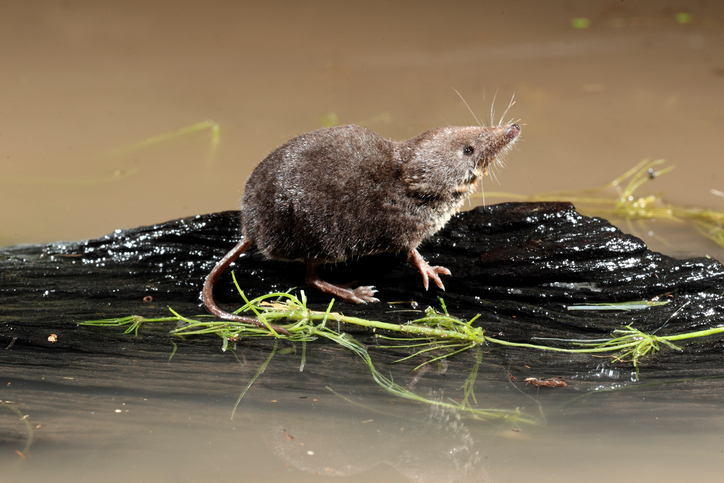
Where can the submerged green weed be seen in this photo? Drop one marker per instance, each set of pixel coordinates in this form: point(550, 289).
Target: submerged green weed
point(627, 205)
point(436, 336)
point(441, 331)
point(28, 427)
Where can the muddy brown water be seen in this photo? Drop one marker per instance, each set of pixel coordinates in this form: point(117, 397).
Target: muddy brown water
point(84, 82)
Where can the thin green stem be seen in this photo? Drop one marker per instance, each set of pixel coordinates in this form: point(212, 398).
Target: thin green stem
point(258, 373)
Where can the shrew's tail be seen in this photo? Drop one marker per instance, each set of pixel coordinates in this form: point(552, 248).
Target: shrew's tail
point(207, 294)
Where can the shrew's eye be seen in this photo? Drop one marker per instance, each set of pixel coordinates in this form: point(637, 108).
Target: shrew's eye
point(468, 150)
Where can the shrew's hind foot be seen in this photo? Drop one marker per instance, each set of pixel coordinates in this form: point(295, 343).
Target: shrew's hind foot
point(359, 295)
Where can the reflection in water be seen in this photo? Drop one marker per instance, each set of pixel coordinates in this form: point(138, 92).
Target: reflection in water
point(438, 447)
point(115, 419)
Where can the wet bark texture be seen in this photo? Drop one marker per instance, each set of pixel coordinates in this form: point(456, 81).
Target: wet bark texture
point(519, 265)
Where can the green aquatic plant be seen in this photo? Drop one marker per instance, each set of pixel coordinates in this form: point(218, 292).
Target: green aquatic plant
point(259, 372)
point(435, 336)
point(303, 325)
point(633, 305)
point(629, 206)
point(28, 427)
point(160, 140)
point(204, 128)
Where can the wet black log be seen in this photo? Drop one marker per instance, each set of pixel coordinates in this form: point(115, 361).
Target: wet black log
point(519, 265)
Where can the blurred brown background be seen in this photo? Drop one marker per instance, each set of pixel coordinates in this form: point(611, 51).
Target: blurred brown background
point(84, 81)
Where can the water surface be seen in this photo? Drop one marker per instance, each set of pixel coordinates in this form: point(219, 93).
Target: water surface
point(84, 82)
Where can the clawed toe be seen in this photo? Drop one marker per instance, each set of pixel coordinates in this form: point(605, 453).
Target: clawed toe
point(434, 274)
point(426, 270)
point(364, 294)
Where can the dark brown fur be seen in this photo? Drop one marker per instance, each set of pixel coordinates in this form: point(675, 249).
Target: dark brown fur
point(342, 192)
point(332, 194)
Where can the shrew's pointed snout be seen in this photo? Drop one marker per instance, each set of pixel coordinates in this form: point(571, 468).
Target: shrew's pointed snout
point(512, 132)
